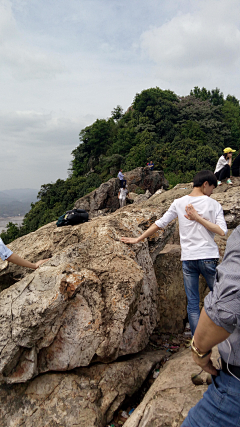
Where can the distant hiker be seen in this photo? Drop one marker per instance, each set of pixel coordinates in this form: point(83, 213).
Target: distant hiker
point(236, 166)
point(150, 165)
point(223, 166)
point(200, 217)
point(219, 324)
point(121, 178)
point(7, 254)
point(122, 196)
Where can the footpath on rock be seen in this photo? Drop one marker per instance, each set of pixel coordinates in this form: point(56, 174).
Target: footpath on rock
point(74, 334)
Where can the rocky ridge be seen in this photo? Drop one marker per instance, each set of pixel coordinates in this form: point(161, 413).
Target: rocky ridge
point(97, 299)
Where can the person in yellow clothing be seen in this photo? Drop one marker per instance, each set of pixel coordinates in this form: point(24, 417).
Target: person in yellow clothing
point(223, 166)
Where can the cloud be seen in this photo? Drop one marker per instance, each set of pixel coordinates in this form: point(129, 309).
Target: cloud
point(18, 56)
point(204, 43)
point(36, 147)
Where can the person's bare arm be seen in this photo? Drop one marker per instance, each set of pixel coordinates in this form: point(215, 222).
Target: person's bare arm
point(206, 336)
point(192, 215)
point(16, 259)
point(230, 159)
point(149, 232)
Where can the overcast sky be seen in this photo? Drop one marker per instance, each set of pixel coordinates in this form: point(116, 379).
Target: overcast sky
point(65, 63)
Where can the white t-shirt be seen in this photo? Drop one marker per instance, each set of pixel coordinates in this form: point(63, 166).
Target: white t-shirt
point(123, 193)
point(4, 251)
point(221, 163)
point(196, 241)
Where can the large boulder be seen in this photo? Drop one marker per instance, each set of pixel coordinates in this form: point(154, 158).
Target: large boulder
point(85, 397)
point(95, 300)
point(168, 401)
point(146, 179)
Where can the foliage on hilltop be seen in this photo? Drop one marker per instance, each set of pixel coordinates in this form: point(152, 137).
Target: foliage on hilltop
point(182, 135)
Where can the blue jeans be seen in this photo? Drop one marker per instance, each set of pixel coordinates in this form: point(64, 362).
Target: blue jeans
point(219, 406)
point(191, 272)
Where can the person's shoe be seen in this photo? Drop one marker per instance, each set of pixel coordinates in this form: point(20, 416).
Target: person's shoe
point(219, 183)
point(229, 181)
point(209, 379)
point(187, 343)
point(196, 379)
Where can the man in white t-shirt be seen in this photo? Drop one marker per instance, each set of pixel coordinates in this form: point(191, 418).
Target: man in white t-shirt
point(200, 217)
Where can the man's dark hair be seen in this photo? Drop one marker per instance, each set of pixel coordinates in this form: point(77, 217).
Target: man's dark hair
point(204, 176)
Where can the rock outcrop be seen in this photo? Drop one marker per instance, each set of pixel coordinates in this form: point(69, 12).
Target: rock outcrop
point(85, 397)
point(96, 299)
point(168, 401)
point(104, 199)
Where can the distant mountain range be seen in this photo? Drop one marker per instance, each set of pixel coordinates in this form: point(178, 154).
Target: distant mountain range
point(17, 201)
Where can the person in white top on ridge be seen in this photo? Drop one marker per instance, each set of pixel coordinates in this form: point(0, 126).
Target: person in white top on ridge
point(223, 166)
point(200, 217)
point(122, 196)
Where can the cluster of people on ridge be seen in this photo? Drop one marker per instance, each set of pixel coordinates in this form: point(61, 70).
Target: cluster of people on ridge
point(122, 194)
point(200, 218)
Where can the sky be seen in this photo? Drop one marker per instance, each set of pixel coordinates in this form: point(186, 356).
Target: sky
point(66, 63)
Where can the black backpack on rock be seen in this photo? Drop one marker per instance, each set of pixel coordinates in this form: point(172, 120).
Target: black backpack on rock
point(73, 217)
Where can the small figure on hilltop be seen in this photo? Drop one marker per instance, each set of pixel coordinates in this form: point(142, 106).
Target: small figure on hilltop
point(200, 218)
point(122, 196)
point(121, 178)
point(236, 166)
point(7, 254)
point(150, 165)
point(223, 166)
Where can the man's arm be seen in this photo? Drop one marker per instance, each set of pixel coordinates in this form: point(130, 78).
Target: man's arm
point(206, 336)
point(230, 159)
point(16, 259)
point(161, 223)
point(149, 232)
point(192, 215)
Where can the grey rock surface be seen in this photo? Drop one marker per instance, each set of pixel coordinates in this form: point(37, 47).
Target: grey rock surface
point(95, 300)
point(169, 399)
point(85, 397)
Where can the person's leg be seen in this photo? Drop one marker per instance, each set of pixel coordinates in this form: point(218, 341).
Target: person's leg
point(121, 183)
point(123, 202)
point(219, 406)
point(224, 172)
point(191, 281)
point(120, 203)
point(208, 270)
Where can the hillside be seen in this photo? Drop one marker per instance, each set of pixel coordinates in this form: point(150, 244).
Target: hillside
point(182, 135)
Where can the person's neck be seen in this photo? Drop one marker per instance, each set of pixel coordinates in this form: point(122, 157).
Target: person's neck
point(197, 192)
